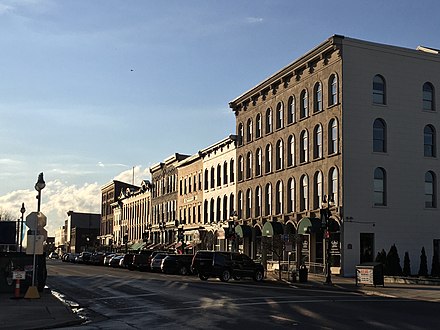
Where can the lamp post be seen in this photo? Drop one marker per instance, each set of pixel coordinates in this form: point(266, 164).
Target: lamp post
point(325, 224)
point(126, 241)
point(22, 210)
point(38, 187)
point(231, 230)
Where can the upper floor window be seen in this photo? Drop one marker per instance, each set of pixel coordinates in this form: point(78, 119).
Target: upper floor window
point(258, 126)
point(429, 141)
point(206, 179)
point(317, 97)
point(240, 134)
point(304, 193)
point(269, 121)
point(379, 136)
point(225, 172)
point(291, 150)
point(279, 155)
point(212, 177)
point(249, 130)
point(240, 204)
point(279, 198)
point(333, 90)
point(291, 110)
point(268, 200)
point(428, 96)
point(268, 157)
point(248, 203)
point(291, 195)
point(304, 109)
point(304, 155)
point(258, 201)
point(333, 185)
point(380, 187)
point(240, 168)
point(430, 190)
point(317, 190)
point(258, 162)
point(231, 171)
point(249, 165)
point(317, 141)
point(279, 119)
point(333, 137)
point(379, 90)
point(219, 175)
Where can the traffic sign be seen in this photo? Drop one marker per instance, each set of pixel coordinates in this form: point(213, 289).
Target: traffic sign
point(36, 220)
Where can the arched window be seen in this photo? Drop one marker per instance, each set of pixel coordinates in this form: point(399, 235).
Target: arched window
point(249, 130)
point(258, 162)
point(304, 108)
point(240, 134)
point(429, 141)
point(317, 97)
point(430, 190)
point(219, 175)
point(225, 173)
point(206, 179)
point(211, 210)
point(279, 198)
point(317, 200)
point(317, 141)
point(258, 201)
point(225, 207)
point(291, 195)
point(291, 110)
point(380, 187)
point(333, 90)
point(268, 199)
point(279, 155)
point(334, 185)
point(240, 168)
point(279, 120)
point(248, 203)
point(333, 136)
point(240, 205)
point(249, 165)
point(232, 171)
point(428, 97)
point(268, 162)
point(258, 126)
point(206, 215)
point(379, 136)
point(291, 150)
point(304, 155)
point(304, 193)
point(269, 121)
point(212, 177)
point(219, 209)
point(231, 204)
point(379, 90)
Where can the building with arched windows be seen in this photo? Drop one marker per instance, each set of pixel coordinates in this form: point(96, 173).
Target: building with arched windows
point(350, 127)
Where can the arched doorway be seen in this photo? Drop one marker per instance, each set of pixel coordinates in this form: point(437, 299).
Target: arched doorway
point(256, 251)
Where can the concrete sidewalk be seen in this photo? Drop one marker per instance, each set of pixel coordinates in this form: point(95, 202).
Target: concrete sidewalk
point(46, 312)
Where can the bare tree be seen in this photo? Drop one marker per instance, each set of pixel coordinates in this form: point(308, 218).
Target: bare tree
point(6, 215)
point(274, 244)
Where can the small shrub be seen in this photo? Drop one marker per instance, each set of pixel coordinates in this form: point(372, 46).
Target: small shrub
point(406, 265)
point(392, 264)
point(435, 269)
point(423, 269)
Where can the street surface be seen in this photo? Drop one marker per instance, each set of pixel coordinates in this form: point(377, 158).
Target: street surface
point(113, 298)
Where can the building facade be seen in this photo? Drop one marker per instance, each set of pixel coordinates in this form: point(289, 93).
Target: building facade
point(350, 126)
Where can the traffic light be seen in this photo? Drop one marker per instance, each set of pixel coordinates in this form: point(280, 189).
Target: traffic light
point(180, 235)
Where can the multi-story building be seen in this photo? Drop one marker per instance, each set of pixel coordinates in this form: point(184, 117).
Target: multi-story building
point(132, 216)
point(82, 230)
point(164, 200)
point(350, 126)
point(190, 200)
point(218, 190)
point(109, 195)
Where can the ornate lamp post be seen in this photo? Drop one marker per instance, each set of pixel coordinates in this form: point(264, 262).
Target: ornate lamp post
point(231, 230)
point(38, 187)
point(22, 210)
point(325, 224)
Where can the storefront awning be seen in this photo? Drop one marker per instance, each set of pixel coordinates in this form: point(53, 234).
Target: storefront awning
point(243, 231)
point(272, 228)
point(313, 223)
point(135, 246)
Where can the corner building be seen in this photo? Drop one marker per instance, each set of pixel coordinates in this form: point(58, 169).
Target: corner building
point(351, 123)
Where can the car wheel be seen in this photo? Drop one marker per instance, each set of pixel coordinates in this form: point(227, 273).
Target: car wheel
point(203, 277)
point(225, 276)
point(183, 270)
point(258, 276)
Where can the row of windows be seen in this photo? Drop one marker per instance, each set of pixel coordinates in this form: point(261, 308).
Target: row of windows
point(280, 155)
point(291, 111)
point(380, 188)
point(220, 175)
point(164, 212)
point(261, 203)
point(165, 185)
point(380, 93)
point(190, 184)
point(380, 138)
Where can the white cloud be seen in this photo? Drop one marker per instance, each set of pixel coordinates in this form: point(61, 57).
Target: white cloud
point(138, 173)
point(5, 9)
point(254, 20)
point(8, 161)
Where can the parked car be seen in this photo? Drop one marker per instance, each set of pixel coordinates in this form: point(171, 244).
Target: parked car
point(177, 264)
point(97, 258)
point(142, 260)
point(107, 258)
point(83, 257)
point(156, 261)
point(114, 262)
point(72, 257)
point(65, 257)
point(53, 255)
point(127, 261)
point(225, 265)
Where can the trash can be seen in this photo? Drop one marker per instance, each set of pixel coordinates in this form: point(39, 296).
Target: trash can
point(303, 271)
point(293, 275)
point(369, 273)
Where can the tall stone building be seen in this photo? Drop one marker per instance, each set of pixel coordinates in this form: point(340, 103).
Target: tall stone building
point(348, 127)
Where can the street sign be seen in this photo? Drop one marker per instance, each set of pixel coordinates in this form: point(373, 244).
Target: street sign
point(39, 240)
point(18, 275)
point(36, 220)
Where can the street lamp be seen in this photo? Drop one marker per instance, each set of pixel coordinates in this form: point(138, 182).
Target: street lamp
point(38, 187)
point(325, 225)
point(22, 210)
point(231, 230)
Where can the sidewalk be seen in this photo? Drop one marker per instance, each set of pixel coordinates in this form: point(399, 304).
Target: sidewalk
point(46, 312)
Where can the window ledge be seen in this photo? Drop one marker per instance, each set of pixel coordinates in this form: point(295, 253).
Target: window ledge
point(318, 159)
point(333, 106)
point(380, 105)
point(429, 111)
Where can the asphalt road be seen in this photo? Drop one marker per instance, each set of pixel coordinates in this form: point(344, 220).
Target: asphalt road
point(111, 298)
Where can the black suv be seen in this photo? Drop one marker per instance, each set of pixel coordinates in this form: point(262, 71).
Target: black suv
point(225, 265)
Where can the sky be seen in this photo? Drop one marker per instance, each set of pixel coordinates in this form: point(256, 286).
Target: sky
point(94, 90)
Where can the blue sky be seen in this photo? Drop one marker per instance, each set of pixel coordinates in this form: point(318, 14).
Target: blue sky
point(90, 89)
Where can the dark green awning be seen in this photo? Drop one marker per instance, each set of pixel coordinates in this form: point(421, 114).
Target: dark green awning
point(313, 223)
point(272, 228)
point(243, 231)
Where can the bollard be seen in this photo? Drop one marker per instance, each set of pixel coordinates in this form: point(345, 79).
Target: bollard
point(17, 288)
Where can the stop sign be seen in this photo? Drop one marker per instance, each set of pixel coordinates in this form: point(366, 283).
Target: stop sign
point(36, 220)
